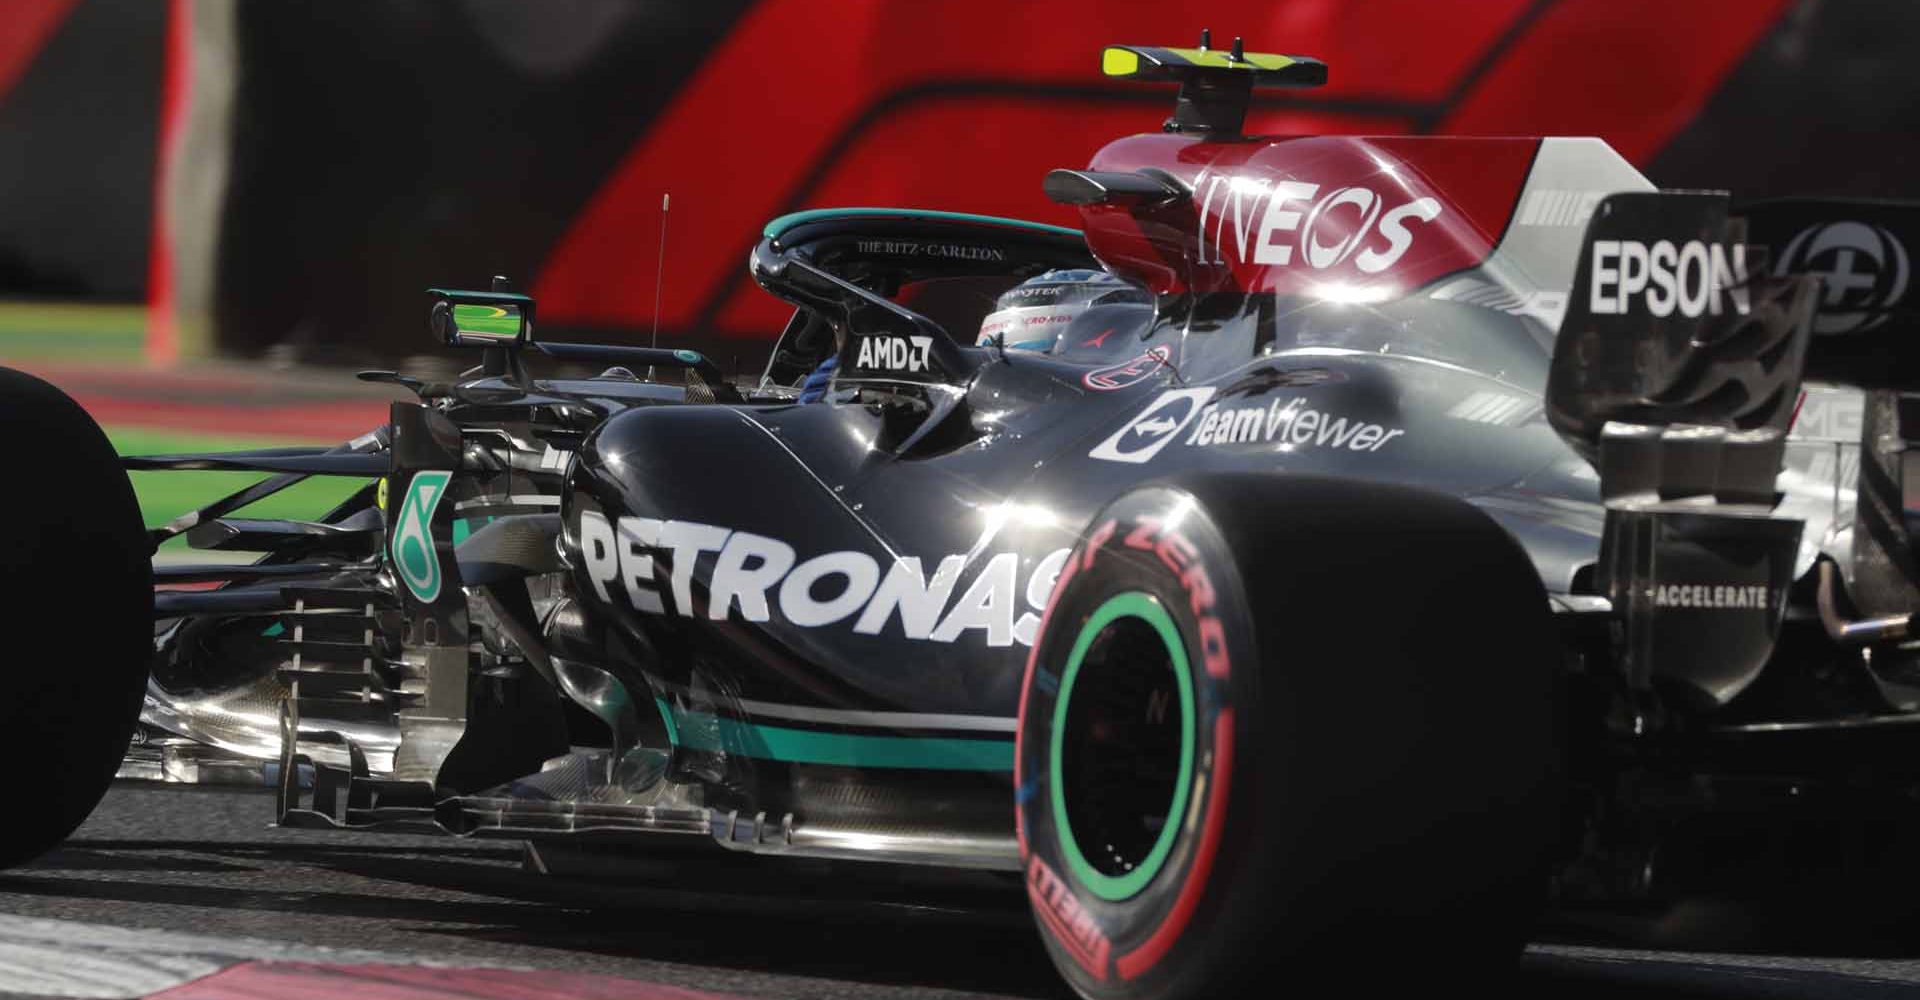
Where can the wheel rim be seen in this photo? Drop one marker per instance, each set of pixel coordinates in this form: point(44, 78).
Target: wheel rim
point(1121, 758)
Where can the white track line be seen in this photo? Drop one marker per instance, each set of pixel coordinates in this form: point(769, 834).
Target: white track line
point(59, 958)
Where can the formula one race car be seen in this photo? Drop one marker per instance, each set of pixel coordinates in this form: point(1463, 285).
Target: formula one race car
point(1342, 537)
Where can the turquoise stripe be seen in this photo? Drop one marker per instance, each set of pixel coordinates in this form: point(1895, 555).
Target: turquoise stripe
point(666, 716)
point(464, 527)
point(786, 222)
point(706, 731)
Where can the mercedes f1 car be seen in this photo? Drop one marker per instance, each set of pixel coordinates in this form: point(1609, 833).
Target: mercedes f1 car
point(1401, 534)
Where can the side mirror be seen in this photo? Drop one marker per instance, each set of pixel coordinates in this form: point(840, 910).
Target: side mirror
point(480, 319)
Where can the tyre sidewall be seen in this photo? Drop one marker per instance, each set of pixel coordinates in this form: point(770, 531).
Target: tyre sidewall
point(1158, 543)
point(77, 607)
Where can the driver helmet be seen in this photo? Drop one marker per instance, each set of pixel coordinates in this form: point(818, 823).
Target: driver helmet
point(1033, 314)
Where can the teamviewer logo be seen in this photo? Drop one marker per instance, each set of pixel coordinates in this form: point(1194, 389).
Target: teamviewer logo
point(1151, 430)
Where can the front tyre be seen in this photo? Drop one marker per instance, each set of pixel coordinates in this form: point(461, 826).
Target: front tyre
point(1278, 724)
point(76, 613)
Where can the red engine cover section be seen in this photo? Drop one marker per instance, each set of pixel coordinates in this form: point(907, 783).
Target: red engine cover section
point(1363, 219)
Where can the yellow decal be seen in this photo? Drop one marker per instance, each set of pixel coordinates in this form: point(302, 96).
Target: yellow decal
point(1119, 62)
point(1224, 60)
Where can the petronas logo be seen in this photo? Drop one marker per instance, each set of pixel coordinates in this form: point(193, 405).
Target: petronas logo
point(412, 545)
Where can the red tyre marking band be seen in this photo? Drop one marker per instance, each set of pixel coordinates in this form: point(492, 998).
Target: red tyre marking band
point(1182, 558)
point(1141, 537)
point(1132, 964)
point(1095, 541)
point(1177, 554)
point(1026, 684)
point(1213, 646)
point(1069, 922)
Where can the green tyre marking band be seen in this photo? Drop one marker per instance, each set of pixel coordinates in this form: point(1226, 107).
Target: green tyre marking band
point(690, 357)
point(414, 558)
point(1113, 888)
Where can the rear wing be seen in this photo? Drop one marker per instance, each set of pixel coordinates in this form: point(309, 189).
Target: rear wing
point(1865, 321)
point(1676, 321)
point(1676, 373)
point(1866, 333)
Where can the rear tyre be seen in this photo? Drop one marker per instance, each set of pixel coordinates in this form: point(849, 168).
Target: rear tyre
point(1274, 725)
point(76, 614)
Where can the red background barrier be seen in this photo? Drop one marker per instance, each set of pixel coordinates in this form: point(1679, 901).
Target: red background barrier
point(375, 149)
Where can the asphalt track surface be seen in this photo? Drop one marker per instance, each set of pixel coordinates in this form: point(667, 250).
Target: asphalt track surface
point(205, 861)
